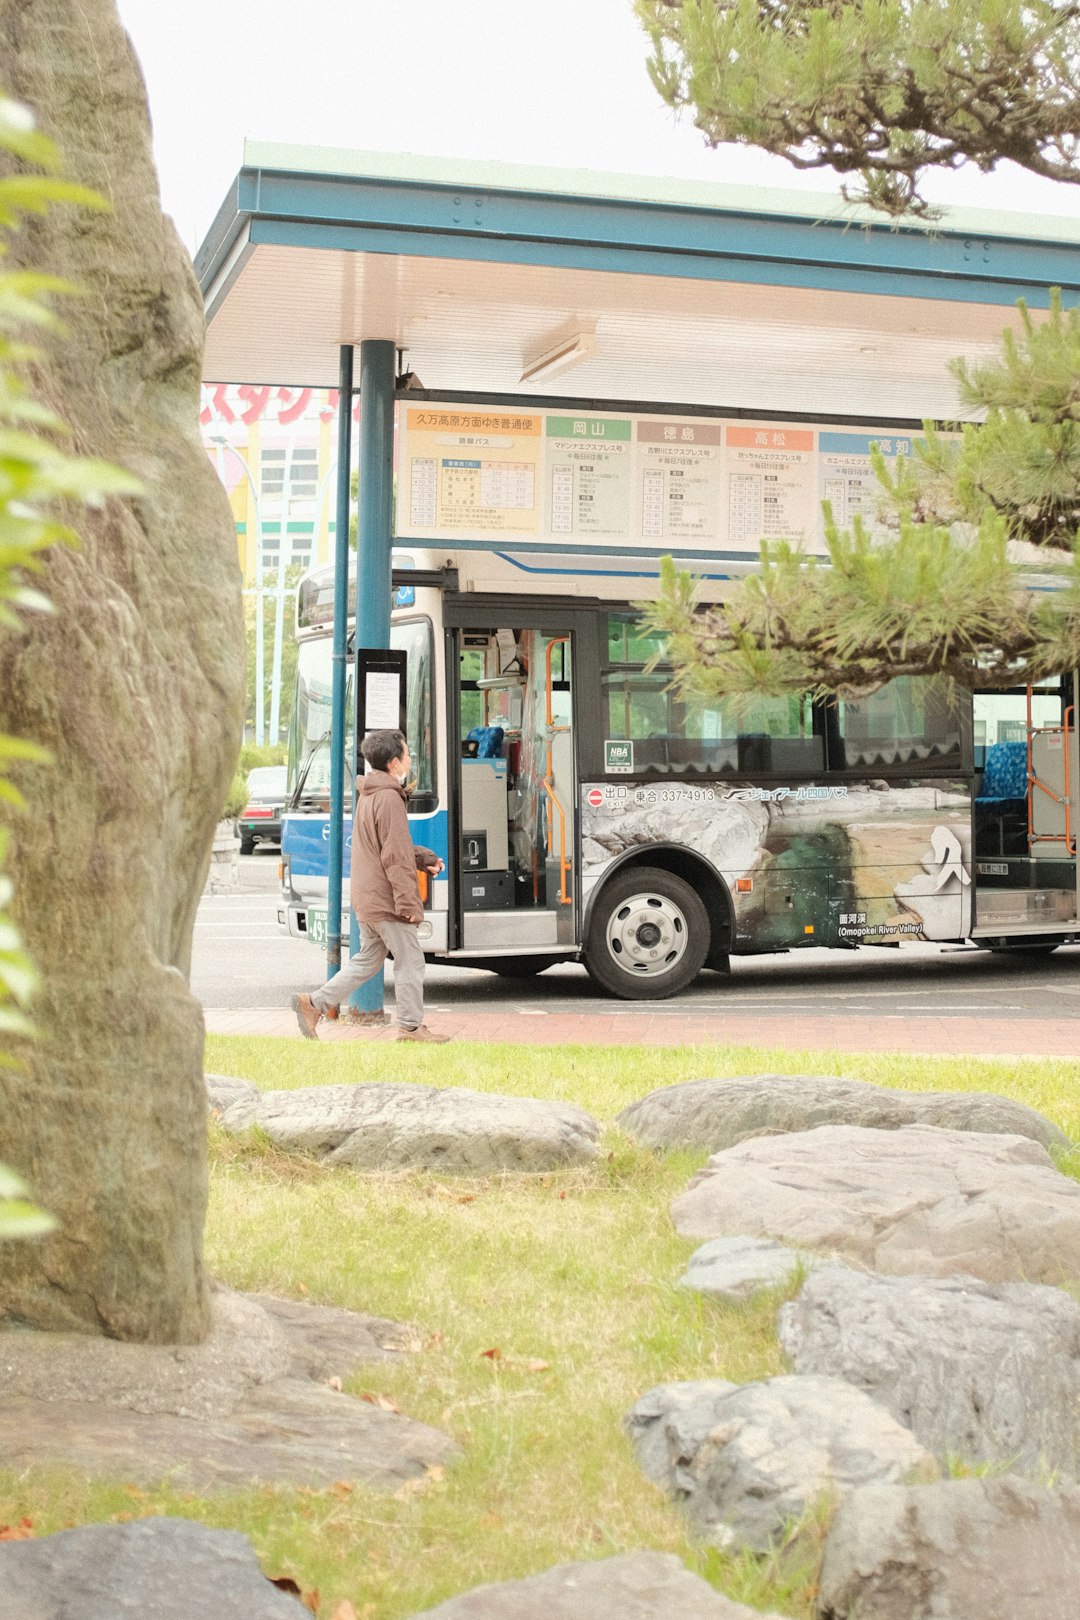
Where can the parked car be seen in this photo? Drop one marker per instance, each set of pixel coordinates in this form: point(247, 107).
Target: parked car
point(260, 819)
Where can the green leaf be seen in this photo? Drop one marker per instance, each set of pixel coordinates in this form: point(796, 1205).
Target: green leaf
point(12, 1185)
point(87, 476)
point(31, 601)
point(19, 136)
point(13, 1022)
point(23, 748)
point(22, 1220)
point(36, 193)
point(18, 977)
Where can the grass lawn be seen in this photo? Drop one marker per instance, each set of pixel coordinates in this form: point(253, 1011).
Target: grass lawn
point(570, 1277)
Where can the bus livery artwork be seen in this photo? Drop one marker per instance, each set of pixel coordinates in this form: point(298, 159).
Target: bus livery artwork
point(838, 864)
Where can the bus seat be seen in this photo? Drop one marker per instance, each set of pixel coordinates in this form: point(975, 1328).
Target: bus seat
point(1004, 782)
point(488, 740)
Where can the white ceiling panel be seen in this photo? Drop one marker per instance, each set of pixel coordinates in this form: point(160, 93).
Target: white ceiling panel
point(470, 325)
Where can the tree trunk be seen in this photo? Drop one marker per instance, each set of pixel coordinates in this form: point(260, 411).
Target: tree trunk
point(135, 685)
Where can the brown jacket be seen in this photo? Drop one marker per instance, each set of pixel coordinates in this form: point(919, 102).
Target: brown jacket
point(382, 876)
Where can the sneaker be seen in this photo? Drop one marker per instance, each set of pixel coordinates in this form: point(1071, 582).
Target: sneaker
point(307, 1015)
point(421, 1033)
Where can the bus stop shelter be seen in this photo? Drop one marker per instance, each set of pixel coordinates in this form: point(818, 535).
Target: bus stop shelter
point(482, 282)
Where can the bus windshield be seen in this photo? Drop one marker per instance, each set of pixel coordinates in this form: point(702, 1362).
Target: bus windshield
point(309, 734)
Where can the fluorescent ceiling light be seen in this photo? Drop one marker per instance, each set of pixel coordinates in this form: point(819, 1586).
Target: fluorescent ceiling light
point(559, 357)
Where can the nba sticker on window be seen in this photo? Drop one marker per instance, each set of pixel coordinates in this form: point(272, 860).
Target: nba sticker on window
point(618, 758)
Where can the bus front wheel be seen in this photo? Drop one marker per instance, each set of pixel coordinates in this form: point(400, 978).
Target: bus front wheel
point(648, 936)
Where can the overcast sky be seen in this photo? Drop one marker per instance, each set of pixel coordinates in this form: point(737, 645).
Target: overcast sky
point(561, 82)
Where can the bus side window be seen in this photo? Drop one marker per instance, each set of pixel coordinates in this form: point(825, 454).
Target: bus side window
point(909, 721)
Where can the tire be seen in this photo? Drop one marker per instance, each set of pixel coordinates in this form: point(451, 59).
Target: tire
point(648, 935)
point(247, 846)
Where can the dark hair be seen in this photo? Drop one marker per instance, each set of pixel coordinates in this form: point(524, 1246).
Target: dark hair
point(380, 747)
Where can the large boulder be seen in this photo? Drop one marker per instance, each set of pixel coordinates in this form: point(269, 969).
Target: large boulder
point(253, 1339)
point(912, 1201)
point(288, 1432)
point(985, 1372)
point(715, 1114)
point(634, 1586)
point(745, 1460)
point(135, 686)
point(963, 1549)
point(378, 1127)
point(258, 1402)
point(170, 1569)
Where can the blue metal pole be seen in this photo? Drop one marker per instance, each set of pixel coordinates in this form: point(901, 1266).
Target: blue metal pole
point(375, 514)
point(341, 663)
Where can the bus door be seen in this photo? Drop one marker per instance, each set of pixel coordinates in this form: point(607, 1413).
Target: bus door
point(517, 870)
point(1027, 809)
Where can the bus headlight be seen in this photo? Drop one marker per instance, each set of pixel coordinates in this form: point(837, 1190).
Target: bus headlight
point(424, 930)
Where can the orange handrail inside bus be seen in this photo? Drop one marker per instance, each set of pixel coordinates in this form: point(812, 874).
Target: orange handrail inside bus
point(1033, 780)
point(565, 899)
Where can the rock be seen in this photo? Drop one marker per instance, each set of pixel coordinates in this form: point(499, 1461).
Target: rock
point(170, 1569)
point(327, 1342)
point(913, 1201)
point(964, 1549)
point(135, 685)
point(290, 1432)
point(253, 1339)
point(245, 1348)
point(388, 1126)
point(648, 1422)
point(733, 1268)
point(226, 1091)
point(746, 1460)
point(715, 1114)
point(250, 1405)
point(634, 1586)
point(980, 1371)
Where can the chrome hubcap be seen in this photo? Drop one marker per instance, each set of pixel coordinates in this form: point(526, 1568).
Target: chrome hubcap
point(647, 935)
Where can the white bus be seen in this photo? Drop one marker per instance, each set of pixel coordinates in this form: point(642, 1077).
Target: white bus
point(585, 813)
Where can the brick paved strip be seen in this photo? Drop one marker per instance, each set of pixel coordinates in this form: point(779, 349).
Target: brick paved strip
point(924, 1036)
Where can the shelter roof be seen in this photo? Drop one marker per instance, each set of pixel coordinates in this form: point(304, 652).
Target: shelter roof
point(710, 296)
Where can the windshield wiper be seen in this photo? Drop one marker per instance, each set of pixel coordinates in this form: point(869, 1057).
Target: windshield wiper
point(299, 796)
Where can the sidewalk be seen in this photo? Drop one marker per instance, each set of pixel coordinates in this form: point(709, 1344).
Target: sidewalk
point(662, 1024)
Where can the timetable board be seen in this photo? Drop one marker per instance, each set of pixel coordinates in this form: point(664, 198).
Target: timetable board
point(628, 481)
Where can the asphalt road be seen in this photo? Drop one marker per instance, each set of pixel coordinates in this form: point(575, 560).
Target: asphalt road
point(243, 961)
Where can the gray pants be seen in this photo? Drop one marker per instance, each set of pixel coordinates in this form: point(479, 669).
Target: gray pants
point(377, 942)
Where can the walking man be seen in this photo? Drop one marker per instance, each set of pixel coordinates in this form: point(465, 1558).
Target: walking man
point(384, 894)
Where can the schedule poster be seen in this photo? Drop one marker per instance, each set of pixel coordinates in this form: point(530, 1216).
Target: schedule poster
point(772, 484)
point(472, 472)
point(616, 481)
point(681, 476)
point(588, 477)
point(846, 478)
